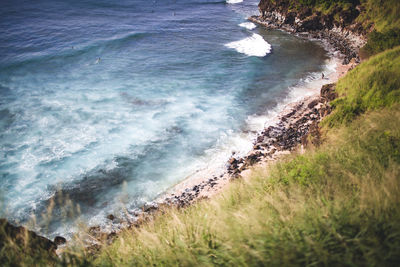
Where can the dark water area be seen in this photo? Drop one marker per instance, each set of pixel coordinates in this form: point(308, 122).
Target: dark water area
point(109, 104)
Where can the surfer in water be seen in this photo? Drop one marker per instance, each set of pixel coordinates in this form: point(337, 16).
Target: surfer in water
point(98, 61)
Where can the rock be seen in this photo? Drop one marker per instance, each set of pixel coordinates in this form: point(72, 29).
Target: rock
point(232, 161)
point(325, 110)
point(340, 27)
point(313, 103)
point(111, 217)
point(17, 239)
point(311, 23)
point(59, 240)
point(148, 207)
point(328, 92)
point(315, 134)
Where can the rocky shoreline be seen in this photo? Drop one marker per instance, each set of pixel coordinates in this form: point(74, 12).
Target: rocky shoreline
point(346, 36)
point(298, 125)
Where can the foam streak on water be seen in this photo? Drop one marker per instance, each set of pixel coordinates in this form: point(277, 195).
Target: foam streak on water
point(234, 1)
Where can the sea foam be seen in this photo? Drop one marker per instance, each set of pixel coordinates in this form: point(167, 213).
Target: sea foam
point(234, 1)
point(254, 45)
point(248, 25)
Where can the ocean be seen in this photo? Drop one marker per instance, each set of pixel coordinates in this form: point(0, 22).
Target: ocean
point(105, 105)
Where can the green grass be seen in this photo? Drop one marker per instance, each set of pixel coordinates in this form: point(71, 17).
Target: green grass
point(383, 13)
point(373, 84)
point(327, 4)
point(382, 16)
point(381, 41)
point(335, 205)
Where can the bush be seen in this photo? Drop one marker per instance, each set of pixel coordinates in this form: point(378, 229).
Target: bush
point(378, 42)
point(371, 85)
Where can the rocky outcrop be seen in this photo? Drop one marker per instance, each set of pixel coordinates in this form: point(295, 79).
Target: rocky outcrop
point(18, 239)
point(339, 28)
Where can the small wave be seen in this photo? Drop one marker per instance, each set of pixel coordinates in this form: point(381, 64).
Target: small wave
point(254, 45)
point(233, 1)
point(93, 48)
point(248, 25)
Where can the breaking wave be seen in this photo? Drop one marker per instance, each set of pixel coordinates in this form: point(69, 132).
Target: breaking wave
point(254, 45)
point(248, 25)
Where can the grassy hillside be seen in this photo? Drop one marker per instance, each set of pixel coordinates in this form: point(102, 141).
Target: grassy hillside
point(383, 13)
point(372, 85)
point(379, 19)
point(334, 205)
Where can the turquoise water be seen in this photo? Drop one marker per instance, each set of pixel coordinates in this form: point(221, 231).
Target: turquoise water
point(110, 104)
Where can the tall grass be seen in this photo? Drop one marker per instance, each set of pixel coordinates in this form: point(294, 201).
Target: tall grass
point(372, 85)
point(337, 205)
point(381, 41)
point(383, 17)
point(384, 14)
point(22, 251)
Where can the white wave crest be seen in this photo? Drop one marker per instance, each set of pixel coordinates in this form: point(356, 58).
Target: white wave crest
point(234, 1)
point(248, 25)
point(254, 45)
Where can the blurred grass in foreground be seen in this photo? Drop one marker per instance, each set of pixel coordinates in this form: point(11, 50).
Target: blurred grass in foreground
point(334, 205)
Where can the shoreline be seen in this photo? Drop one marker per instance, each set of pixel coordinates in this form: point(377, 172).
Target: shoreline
point(338, 39)
point(294, 121)
point(291, 125)
point(298, 115)
point(194, 188)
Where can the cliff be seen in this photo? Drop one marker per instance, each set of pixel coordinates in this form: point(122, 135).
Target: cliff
point(336, 23)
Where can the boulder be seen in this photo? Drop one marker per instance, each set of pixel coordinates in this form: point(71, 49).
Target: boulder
point(328, 92)
point(313, 103)
point(18, 239)
point(150, 207)
point(59, 240)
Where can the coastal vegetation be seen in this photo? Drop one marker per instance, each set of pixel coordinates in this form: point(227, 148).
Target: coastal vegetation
point(379, 20)
point(374, 84)
point(336, 204)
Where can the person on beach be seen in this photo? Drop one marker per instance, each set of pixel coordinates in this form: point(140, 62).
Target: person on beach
point(323, 76)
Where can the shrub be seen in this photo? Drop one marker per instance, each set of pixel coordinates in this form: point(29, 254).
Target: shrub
point(381, 41)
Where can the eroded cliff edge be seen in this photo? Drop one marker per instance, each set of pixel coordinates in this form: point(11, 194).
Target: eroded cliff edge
point(338, 24)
